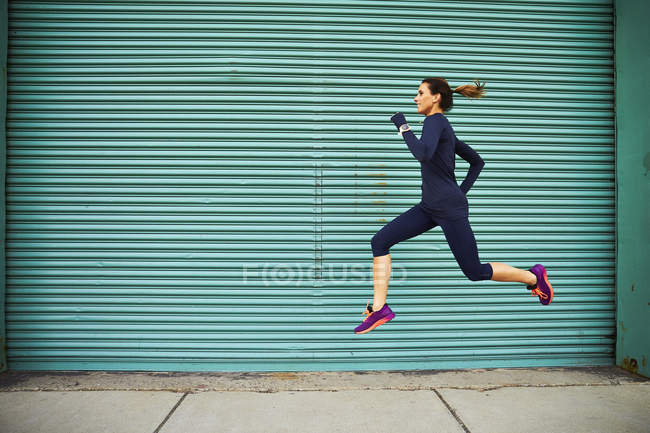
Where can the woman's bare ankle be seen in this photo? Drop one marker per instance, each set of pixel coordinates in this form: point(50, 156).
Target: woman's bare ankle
point(532, 281)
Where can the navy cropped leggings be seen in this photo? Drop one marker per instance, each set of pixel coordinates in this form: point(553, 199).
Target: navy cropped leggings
point(458, 232)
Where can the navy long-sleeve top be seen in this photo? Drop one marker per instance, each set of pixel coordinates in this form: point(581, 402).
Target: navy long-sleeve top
point(436, 150)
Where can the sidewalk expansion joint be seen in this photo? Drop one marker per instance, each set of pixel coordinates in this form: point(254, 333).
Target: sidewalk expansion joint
point(178, 403)
point(453, 412)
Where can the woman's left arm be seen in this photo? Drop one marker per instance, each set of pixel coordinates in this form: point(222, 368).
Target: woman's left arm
point(424, 147)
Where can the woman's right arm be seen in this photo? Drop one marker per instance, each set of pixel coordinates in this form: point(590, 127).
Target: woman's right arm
point(476, 164)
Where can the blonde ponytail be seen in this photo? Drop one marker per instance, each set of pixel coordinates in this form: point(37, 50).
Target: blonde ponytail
point(472, 91)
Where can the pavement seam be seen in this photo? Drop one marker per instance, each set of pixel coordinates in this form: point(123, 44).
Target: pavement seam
point(272, 389)
point(452, 411)
point(178, 403)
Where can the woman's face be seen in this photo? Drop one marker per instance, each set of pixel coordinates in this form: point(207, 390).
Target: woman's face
point(425, 100)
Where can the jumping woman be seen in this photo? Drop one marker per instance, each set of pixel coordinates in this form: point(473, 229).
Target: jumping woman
point(443, 203)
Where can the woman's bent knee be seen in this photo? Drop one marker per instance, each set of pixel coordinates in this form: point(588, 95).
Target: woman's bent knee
point(480, 273)
point(472, 275)
point(379, 247)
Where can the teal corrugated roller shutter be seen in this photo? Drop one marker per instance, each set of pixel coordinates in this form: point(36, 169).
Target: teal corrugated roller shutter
point(194, 185)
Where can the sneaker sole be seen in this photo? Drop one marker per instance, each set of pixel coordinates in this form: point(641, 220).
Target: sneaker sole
point(377, 323)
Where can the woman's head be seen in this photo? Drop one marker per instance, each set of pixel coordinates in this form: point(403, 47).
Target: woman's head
point(435, 95)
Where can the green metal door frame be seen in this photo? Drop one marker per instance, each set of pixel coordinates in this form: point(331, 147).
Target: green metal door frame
point(633, 186)
point(4, 24)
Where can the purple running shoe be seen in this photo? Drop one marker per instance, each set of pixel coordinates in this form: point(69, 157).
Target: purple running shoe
point(543, 288)
point(374, 319)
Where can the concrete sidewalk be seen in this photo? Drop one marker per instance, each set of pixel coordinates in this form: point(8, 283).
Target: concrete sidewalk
point(497, 400)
